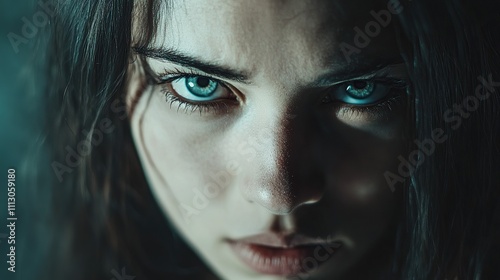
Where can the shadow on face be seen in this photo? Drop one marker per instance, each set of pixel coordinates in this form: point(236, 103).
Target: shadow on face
point(257, 123)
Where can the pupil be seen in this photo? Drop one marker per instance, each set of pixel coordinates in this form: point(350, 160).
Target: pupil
point(202, 82)
point(360, 84)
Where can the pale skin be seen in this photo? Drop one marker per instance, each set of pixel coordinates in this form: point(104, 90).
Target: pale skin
point(278, 154)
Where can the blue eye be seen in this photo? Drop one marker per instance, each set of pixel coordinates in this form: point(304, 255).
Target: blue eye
point(199, 88)
point(361, 92)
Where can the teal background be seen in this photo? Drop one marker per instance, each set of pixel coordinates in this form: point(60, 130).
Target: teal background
point(19, 120)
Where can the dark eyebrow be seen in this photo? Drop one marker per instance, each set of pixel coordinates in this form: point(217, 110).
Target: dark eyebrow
point(174, 56)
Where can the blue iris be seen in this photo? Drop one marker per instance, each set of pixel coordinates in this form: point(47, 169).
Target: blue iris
point(360, 89)
point(201, 86)
point(361, 92)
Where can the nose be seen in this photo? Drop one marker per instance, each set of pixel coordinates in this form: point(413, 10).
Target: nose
point(285, 172)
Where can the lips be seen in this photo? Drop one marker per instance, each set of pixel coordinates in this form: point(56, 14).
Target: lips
point(284, 255)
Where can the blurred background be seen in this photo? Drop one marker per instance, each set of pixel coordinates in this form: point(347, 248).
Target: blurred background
point(19, 122)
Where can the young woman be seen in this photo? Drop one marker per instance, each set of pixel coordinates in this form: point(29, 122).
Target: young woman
point(273, 139)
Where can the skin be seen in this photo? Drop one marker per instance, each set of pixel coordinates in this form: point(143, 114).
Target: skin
point(283, 160)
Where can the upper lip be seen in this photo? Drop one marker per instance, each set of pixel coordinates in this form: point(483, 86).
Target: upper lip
point(281, 240)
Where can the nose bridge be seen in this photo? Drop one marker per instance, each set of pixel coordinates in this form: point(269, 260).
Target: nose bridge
point(283, 176)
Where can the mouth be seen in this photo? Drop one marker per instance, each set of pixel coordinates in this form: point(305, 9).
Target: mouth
point(283, 255)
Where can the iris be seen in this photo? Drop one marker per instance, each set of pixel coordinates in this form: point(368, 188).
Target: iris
point(201, 86)
point(360, 89)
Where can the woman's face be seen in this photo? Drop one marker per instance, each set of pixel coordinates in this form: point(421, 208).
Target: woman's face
point(267, 131)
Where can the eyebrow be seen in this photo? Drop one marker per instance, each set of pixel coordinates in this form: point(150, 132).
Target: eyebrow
point(174, 56)
point(350, 72)
point(353, 72)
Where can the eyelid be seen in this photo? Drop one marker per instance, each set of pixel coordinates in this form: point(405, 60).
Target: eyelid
point(393, 71)
point(168, 75)
point(171, 75)
point(374, 77)
point(387, 81)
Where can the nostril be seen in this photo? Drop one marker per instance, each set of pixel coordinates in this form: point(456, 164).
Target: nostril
point(281, 200)
point(282, 210)
point(303, 202)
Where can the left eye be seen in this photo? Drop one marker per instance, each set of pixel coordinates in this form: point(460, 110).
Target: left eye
point(199, 88)
point(361, 92)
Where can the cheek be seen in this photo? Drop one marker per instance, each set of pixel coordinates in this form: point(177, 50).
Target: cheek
point(363, 154)
point(361, 205)
point(373, 140)
point(186, 156)
point(361, 171)
point(360, 195)
point(367, 147)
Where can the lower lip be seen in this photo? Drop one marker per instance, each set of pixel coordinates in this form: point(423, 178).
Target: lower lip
point(280, 261)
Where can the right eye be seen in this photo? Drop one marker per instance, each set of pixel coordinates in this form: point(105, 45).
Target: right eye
point(361, 92)
point(199, 88)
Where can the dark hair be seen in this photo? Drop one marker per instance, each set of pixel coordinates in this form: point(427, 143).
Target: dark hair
point(104, 217)
point(453, 202)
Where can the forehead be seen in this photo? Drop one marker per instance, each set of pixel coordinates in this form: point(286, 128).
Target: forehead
point(279, 36)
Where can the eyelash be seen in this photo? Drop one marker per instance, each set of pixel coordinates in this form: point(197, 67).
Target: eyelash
point(399, 85)
point(171, 98)
point(188, 106)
